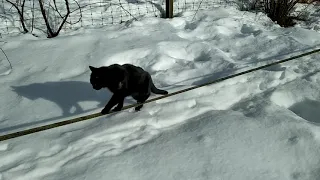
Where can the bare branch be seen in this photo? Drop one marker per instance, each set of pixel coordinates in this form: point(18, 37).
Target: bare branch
point(65, 18)
point(32, 21)
point(79, 8)
point(20, 12)
point(50, 32)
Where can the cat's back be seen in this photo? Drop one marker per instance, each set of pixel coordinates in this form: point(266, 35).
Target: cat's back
point(134, 70)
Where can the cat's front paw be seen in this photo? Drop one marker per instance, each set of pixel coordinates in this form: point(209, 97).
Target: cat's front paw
point(105, 111)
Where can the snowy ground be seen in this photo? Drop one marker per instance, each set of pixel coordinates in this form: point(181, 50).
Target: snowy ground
point(264, 125)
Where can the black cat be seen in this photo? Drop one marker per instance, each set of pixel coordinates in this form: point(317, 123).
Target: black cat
point(123, 80)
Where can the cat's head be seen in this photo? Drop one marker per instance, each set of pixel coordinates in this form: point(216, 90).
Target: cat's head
point(96, 78)
point(110, 77)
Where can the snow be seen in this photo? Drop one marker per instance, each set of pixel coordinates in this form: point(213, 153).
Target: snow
point(263, 125)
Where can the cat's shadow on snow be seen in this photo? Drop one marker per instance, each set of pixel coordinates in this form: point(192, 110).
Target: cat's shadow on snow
point(66, 94)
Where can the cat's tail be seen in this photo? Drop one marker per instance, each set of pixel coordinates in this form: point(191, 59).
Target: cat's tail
point(157, 91)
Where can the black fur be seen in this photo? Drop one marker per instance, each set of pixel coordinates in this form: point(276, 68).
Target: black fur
point(123, 80)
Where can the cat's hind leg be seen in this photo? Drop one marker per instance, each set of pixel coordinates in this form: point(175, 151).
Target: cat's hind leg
point(141, 99)
point(144, 92)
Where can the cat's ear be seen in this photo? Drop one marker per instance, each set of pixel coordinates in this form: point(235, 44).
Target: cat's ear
point(92, 68)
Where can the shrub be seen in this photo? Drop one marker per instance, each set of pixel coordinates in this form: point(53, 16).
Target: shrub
point(280, 11)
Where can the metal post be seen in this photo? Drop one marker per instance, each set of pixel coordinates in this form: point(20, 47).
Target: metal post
point(169, 8)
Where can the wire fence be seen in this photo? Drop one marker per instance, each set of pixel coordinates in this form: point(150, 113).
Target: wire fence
point(90, 13)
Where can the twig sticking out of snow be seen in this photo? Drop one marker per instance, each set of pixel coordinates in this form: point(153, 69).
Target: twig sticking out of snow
point(7, 58)
point(197, 10)
point(11, 68)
